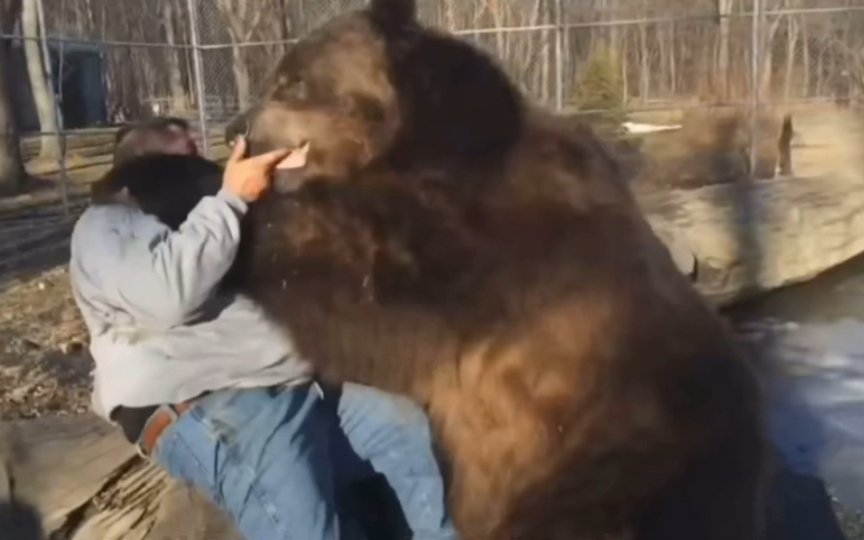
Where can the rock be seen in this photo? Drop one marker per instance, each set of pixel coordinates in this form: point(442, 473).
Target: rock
point(776, 233)
point(681, 253)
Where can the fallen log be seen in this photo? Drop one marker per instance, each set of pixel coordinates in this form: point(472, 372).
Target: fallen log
point(83, 481)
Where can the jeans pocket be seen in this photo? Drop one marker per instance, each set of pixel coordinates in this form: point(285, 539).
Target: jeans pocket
point(224, 414)
point(177, 456)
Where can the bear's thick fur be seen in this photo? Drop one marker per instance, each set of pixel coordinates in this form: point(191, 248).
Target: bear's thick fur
point(488, 260)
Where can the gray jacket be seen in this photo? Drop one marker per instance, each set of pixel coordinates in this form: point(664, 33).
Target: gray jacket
point(158, 334)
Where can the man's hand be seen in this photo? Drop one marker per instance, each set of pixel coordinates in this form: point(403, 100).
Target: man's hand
point(249, 178)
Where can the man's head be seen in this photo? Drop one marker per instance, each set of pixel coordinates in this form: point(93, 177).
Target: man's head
point(157, 136)
point(157, 168)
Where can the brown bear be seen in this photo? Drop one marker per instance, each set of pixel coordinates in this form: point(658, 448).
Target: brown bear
point(455, 245)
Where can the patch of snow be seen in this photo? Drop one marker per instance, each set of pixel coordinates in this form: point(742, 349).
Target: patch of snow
point(635, 128)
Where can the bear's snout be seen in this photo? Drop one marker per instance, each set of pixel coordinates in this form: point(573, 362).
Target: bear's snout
point(241, 125)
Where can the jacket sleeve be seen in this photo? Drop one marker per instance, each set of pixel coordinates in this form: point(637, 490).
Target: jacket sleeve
point(162, 277)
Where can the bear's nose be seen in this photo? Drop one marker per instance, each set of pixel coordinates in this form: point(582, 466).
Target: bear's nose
point(239, 126)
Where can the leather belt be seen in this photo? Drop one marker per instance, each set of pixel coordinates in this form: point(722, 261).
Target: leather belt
point(157, 423)
point(166, 415)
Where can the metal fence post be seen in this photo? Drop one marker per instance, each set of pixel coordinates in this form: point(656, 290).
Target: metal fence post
point(200, 92)
point(748, 200)
point(755, 72)
point(57, 96)
point(559, 56)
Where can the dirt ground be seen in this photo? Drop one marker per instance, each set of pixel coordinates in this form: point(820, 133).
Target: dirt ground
point(44, 365)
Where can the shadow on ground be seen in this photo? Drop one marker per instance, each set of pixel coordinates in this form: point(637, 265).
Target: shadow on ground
point(19, 522)
point(800, 509)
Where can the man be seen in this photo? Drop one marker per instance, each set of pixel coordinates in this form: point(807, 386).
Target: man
point(207, 387)
point(166, 135)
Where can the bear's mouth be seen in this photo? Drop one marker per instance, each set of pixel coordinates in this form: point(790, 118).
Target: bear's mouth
point(289, 174)
point(296, 159)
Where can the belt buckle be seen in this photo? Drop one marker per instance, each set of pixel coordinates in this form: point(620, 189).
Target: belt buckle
point(139, 449)
point(139, 444)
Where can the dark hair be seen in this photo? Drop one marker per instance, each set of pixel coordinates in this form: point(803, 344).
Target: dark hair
point(165, 186)
point(127, 144)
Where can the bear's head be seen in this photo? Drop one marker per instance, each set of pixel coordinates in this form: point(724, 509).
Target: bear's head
point(374, 88)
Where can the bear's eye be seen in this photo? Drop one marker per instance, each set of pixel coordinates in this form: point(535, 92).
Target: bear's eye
point(295, 90)
point(299, 90)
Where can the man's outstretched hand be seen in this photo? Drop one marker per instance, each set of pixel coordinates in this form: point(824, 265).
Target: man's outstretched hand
point(249, 178)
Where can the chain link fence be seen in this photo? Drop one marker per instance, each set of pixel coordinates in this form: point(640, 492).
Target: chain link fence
point(108, 62)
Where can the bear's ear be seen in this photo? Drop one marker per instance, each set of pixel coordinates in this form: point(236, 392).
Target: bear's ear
point(394, 14)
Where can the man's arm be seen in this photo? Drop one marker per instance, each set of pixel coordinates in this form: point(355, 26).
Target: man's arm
point(162, 279)
point(130, 262)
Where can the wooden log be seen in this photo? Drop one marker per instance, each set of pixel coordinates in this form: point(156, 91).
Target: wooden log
point(85, 481)
point(56, 465)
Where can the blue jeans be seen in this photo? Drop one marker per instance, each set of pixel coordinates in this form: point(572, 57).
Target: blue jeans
point(276, 459)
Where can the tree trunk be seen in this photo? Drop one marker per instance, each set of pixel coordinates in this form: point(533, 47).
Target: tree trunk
point(242, 19)
point(644, 75)
point(91, 16)
point(615, 31)
point(805, 53)
point(673, 61)
point(625, 68)
point(286, 25)
point(724, 9)
point(11, 168)
point(662, 46)
point(302, 12)
point(499, 18)
point(450, 15)
point(175, 76)
point(767, 68)
point(791, 47)
point(546, 68)
point(241, 76)
point(43, 93)
point(820, 70)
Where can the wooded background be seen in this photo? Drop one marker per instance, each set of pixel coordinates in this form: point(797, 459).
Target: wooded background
point(72, 70)
point(71, 67)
